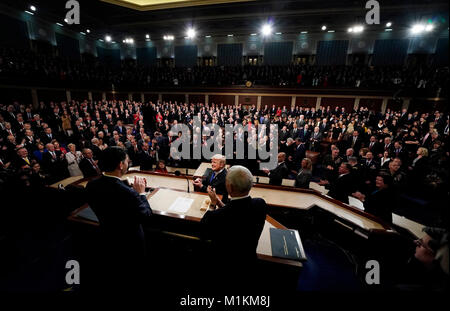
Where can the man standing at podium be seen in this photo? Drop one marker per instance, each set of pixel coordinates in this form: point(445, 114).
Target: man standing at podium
point(234, 229)
point(215, 178)
point(121, 210)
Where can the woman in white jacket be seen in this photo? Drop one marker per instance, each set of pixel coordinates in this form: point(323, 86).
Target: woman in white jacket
point(73, 158)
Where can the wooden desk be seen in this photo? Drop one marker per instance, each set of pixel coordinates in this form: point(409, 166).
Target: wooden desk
point(276, 196)
point(67, 181)
point(161, 200)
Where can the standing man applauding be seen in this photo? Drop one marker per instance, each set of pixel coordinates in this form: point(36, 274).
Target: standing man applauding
point(121, 211)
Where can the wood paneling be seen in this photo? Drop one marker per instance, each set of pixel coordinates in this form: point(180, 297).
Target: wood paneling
point(218, 99)
point(137, 97)
point(179, 98)
point(371, 103)
point(51, 95)
point(79, 95)
point(278, 101)
point(394, 105)
point(196, 98)
point(306, 102)
point(151, 97)
point(96, 96)
point(348, 103)
point(248, 100)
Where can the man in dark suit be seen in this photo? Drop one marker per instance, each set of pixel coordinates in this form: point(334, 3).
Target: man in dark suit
point(281, 171)
point(343, 186)
point(55, 163)
point(234, 230)
point(146, 157)
point(88, 165)
point(354, 142)
point(215, 177)
point(121, 211)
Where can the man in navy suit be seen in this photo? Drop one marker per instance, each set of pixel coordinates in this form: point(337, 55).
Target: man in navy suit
point(234, 230)
point(121, 211)
point(215, 178)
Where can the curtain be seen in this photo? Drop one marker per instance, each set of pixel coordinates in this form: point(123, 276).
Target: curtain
point(390, 52)
point(332, 52)
point(186, 56)
point(278, 53)
point(68, 47)
point(146, 56)
point(229, 54)
point(13, 32)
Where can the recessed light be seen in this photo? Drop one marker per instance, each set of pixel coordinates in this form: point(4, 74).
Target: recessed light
point(330, 30)
point(59, 24)
point(324, 27)
point(388, 24)
point(28, 12)
point(304, 32)
point(230, 35)
point(33, 8)
point(208, 36)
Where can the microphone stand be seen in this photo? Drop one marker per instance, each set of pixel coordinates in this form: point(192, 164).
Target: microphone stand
point(187, 178)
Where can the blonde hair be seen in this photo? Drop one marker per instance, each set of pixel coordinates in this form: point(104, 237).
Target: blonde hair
point(423, 151)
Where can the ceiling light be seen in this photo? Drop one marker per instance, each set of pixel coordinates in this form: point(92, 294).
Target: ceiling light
point(65, 20)
point(191, 33)
point(108, 38)
point(429, 27)
point(358, 29)
point(253, 34)
point(388, 29)
point(350, 30)
point(417, 28)
point(330, 30)
point(324, 27)
point(83, 33)
point(304, 32)
point(59, 24)
point(208, 36)
point(388, 24)
point(266, 30)
point(28, 12)
point(279, 33)
point(88, 30)
point(147, 36)
point(230, 35)
point(33, 8)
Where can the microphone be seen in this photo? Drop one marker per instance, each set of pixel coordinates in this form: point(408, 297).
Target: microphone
point(178, 173)
point(187, 180)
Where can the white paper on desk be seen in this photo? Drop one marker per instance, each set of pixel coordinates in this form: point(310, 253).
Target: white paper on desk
point(181, 205)
point(352, 201)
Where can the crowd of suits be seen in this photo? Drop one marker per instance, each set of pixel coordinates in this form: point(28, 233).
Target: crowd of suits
point(149, 136)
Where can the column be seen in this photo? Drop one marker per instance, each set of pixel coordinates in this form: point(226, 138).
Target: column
point(186, 98)
point(406, 102)
point(142, 98)
point(130, 97)
point(318, 102)
point(206, 99)
point(384, 105)
point(104, 96)
point(68, 96)
point(258, 102)
point(236, 100)
point(90, 96)
point(34, 98)
point(293, 101)
point(160, 98)
point(356, 104)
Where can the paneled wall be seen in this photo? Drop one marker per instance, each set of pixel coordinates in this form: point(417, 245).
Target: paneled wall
point(306, 102)
point(218, 99)
point(278, 101)
point(348, 103)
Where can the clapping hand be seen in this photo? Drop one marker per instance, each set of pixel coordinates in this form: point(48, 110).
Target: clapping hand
point(212, 195)
point(198, 182)
point(139, 184)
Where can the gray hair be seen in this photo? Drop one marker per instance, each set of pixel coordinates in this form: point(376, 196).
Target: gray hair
point(240, 178)
point(219, 157)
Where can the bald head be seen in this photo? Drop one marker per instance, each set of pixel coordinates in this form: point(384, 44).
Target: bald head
point(239, 181)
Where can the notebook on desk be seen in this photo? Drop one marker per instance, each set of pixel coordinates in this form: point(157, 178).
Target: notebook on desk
point(88, 214)
point(286, 244)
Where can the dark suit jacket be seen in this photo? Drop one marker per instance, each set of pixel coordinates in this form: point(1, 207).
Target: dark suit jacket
point(302, 179)
point(234, 230)
point(381, 203)
point(87, 169)
point(342, 188)
point(217, 182)
point(146, 161)
point(277, 174)
point(121, 211)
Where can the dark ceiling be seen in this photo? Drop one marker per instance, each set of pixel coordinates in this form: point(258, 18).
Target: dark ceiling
point(288, 16)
